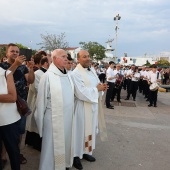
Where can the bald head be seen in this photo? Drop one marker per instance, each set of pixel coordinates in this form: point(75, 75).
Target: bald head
point(59, 58)
point(83, 58)
point(57, 53)
point(118, 66)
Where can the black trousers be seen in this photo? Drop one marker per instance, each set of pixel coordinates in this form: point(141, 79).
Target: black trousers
point(128, 87)
point(133, 89)
point(109, 93)
point(116, 91)
point(9, 135)
point(125, 84)
point(145, 88)
point(140, 85)
point(153, 97)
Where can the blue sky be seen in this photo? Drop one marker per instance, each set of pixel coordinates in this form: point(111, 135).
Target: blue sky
point(144, 26)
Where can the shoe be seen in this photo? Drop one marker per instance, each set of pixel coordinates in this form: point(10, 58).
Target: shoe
point(89, 158)
point(119, 101)
point(4, 162)
point(67, 168)
point(110, 107)
point(23, 160)
point(147, 100)
point(149, 105)
point(127, 99)
point(77, 163)
point(134, 100)
point(155, 105)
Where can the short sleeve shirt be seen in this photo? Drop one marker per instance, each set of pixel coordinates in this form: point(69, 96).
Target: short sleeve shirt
point(19, 79)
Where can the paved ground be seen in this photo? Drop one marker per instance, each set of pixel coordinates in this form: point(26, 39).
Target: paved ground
point(139, 138)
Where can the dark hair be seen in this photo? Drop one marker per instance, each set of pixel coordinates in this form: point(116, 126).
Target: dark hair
point(38, 56)
point(9, 45)
point(43, 60)
point(111, 62)
point(154, 66)
point(3, 59)
point(69, 57)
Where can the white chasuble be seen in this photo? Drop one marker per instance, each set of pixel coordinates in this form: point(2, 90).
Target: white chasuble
point(54, 118)
point(32, 95)
point(86, 108)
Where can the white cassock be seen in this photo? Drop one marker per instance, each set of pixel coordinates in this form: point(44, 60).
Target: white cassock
point(84, 94)
point(32, 95)
point(54, 118)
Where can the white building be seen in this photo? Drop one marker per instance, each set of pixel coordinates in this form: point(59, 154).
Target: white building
point(73, 52)
point(138, 61)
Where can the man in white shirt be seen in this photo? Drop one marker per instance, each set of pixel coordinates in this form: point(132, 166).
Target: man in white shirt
point(141, 89)
point(154, 77)
point(118, 83)
point(111, 78)
point(129, 77)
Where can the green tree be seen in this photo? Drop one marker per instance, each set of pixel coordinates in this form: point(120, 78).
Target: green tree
point(21, 46)
point(2, 52)
point(163, 63)
point(51, 42)
point(95, 50)
point(147, 63)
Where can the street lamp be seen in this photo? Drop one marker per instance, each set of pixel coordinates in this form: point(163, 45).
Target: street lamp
point(116, 18)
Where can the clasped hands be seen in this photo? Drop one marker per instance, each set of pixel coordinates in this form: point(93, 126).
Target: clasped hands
point(102, 87)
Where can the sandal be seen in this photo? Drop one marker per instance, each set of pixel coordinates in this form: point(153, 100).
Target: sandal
point(23, 160)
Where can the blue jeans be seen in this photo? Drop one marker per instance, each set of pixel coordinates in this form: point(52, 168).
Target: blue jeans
point(22, 124)
point(9, 135)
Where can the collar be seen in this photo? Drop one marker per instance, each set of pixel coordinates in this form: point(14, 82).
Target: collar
point(43, 69)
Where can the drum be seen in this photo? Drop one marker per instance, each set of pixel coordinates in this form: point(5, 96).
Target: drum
point(154, 87)
point(119, 81)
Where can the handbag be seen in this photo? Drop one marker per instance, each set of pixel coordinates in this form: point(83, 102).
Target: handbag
point(22, 107)
point(154, 87)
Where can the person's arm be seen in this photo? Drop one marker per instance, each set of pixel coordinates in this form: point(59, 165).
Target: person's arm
point(11, 96)
point(30, 75)
point(110, 77)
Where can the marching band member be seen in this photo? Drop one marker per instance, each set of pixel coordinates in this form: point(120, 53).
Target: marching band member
point(129, 77)
point(145, 84)
point(154, 77)
point(142, 72)
point(118, 86)
point(111, 83)
point(135, 76)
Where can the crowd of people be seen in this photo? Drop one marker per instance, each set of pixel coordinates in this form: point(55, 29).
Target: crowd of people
point(65, 99)
point(132, 79)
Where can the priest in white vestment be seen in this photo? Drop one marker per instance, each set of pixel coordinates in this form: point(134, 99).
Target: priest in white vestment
point(87, 92)
point(32, 137)
point(54, 114)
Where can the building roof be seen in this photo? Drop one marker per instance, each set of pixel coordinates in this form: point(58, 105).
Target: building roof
point(71, 48)
point(3, 45)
